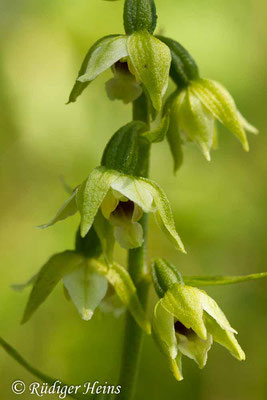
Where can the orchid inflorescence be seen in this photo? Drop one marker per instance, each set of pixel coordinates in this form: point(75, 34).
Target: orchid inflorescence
point(113, 200)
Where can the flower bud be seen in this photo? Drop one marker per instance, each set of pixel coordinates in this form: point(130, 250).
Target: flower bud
point(124, 150)
point(139, 15)
point(165, 275)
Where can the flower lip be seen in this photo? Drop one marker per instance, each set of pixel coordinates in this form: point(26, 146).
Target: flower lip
point(181, 329)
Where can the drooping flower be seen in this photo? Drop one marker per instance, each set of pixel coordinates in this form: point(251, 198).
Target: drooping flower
point(187, 321)
point(196, 106)
point(121, 199)
point(137, 57)
point(88, 281)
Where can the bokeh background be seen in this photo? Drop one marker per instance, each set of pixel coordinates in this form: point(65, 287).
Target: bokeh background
point(220, 207)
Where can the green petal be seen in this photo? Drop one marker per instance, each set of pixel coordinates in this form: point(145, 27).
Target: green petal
point(86, 288)
point(158, 135)
point(224, 338)
point(212, 308)
point(68, 209)
point(50, 274)
point(163, 213)
point(220, 280)
point(196, 121)
point(91, 194)
point(104, 55)
point(246, 125)
point(221, 104)
point(151, 60)
point(184, 303)
point(194, 347)
point(163, 331)
point(120, 279)
point(79, 87)
point(134, 189)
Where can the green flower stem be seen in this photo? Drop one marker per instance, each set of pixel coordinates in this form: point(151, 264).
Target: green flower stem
point(134, 336)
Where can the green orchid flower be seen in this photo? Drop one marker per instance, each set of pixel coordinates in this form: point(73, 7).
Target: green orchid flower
point(135, 58)
point(88, 281)
point(187, 321)
point(196, 105)
point(115, 202)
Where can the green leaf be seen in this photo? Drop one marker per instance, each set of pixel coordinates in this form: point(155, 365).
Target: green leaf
point(196, 121)
point(221, 280)
point(86, 288)
point(91, 194)
point(221, 104)
point(49, 276)
point(163, 213)
point(151, 61)
point(105, 53)
point(158, 135)
point(68, 209)
point(79, 87)
point(120, 279)
point(183, 302)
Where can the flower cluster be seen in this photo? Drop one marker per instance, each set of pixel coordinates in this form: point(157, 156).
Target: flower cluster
point(115, 198)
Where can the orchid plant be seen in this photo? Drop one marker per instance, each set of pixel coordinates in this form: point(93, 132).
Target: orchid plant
point(114, 202)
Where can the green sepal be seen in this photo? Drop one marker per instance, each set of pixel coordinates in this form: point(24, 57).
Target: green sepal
point(139, 15)
point(150, 60)
point(122, 282)
point(86, 288)
point(123, 151)
point(158, 134)
point(183, 66)
point(163, 213)
point(164, 275)
point(107, 52)
point(184, 304)
point(79, 87)
point(91, 194)
point(173, 133)
point(68, 209)
point(90, 245)
point(221, 104)
point(221, 280)
point(195, 120)
point(48, 277)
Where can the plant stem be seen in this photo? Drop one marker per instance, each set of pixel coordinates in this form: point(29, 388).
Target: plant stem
point(34, 371)
point(137, 267)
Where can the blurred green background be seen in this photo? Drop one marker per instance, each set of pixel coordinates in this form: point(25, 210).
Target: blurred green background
point(220, 207)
